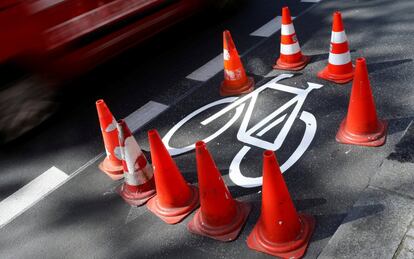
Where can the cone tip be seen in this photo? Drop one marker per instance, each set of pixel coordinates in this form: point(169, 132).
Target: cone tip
point(286, 19)
point(360, 60)
point(123, 129)
point(268, 153)
point(270, 156)
point(102, 108)
point(200, 147)
point(200, 144)
point(360, 68)
point(226, 35)
point(152, 132)
point(337, 22)
point(100, 104)
point(228, 40)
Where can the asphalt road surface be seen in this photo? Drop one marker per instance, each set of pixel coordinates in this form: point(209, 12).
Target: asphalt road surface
point(79, 215)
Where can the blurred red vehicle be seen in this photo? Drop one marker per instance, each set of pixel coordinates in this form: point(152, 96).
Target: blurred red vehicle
point(64, 38)
point(68, 37)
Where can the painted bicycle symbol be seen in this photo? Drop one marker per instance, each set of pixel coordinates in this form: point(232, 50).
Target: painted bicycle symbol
point(251, 136)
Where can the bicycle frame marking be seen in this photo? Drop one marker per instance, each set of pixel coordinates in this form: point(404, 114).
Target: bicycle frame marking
point(246, 135)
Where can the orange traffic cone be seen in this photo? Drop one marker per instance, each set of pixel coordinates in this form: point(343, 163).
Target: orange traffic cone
point(138, 186)
point(112, 164)
point(235, 80)
point(339, 68)
point(291, 57)
point(361, 126)
point(280, 230)
point(175, 198)
point(220, 216)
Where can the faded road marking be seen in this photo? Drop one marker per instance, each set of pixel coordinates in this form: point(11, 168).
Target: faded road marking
point(208, 70)
point(30, 194)
point(143, 115)
point(269, 28)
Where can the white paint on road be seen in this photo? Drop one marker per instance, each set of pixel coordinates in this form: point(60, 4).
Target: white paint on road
point(269, 28)
point(30, 194)
point(143, 115)
point(208, 70)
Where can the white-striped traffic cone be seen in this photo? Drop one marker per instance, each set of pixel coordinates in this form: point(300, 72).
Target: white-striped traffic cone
point(139, 185)
point(291, 57)
point(235, 81)
point(112, 164)
point(339, 68)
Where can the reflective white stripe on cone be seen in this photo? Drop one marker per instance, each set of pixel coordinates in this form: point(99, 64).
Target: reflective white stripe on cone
point(289, 49)
point(339, 59)
point(338, 37)
point(139, 185)
point(287, 29)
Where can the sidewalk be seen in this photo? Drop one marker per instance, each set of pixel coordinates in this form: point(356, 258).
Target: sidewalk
point(380, 224)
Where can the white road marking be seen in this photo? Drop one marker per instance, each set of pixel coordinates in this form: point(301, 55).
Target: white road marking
point(143, 115)
point(269, 28)
point(30, 194)
point(310, 1)
point(208, 70)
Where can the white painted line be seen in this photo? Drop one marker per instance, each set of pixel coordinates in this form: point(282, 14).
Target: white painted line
point(143, 115)
point(310, 1)
point(269, 28)
point(30, 194)
point(208, 70)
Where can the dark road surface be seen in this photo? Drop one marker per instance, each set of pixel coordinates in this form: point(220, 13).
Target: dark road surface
point(85, 218)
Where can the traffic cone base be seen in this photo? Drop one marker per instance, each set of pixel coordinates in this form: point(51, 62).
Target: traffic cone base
point(145, 192)
point(336, 78)
point(224, 233)
point(174, 215)
point(374, 139)
point(294, 249)
point(246, 88)
point(296, 66)
point(115, 172)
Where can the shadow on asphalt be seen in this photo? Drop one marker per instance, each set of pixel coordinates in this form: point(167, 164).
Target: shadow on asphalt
point(332, 221)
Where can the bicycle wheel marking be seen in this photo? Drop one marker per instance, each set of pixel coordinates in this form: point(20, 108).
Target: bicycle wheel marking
point(177, 151)
point(249, 182)
point(251, 135)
